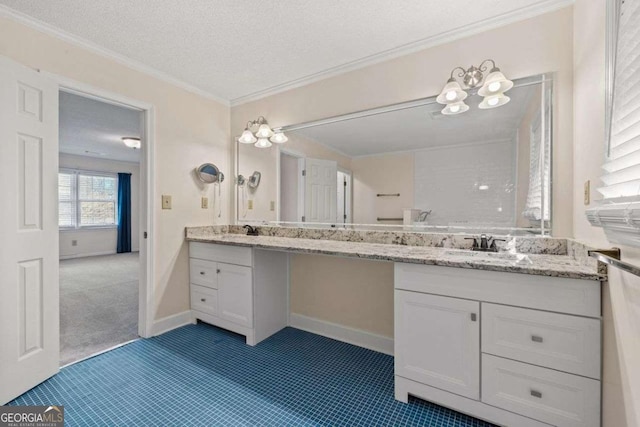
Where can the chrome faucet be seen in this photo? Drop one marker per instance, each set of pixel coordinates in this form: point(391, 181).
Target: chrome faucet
point(484, 243)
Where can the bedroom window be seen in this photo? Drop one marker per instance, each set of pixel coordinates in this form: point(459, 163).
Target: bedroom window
point(86, 199)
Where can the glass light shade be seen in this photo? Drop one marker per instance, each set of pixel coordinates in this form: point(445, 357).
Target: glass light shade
point(495, 83)
point(451, 93)
point(131, 142)
point(279, 138)
point(264, 131)
point(493, 101)
point(247, 137)
point(263, 143)
point(455, 108)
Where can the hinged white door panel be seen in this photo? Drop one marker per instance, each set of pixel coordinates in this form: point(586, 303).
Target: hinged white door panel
point(321, 191)
point(235, 294)
point(29, 295)
point(437, 342)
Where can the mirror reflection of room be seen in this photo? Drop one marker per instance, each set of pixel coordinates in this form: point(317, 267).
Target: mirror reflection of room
point(412, 167)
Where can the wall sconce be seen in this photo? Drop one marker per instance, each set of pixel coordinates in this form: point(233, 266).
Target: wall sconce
point(263, 136)
point(131, 142)
point(493, 89)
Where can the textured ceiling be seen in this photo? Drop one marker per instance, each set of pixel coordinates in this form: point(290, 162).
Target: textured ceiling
point(95, 129)
point(235, 48)
point(423, 127)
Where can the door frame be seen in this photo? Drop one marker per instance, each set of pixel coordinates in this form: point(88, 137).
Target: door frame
point(348, 193)
point(146, 294)
point(300, 156)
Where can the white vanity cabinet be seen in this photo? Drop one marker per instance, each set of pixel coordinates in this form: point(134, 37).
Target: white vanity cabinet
point(513, 349)
point(427, 322)
point(239, 288)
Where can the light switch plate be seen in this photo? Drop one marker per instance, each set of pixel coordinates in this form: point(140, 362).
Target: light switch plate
point(273, 205)
point(587, 192)
point(249, 204)
point(166, 202)
point(205, 203)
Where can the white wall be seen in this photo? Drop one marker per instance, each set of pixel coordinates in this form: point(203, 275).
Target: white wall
point(620, 407)
point(101, 241)
point(189, 130)
point(289, 188)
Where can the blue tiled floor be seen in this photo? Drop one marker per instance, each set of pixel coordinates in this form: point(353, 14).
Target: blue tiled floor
point(202, 375)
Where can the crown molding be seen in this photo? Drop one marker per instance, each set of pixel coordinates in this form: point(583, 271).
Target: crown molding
point(50, 30)
point(439, 39)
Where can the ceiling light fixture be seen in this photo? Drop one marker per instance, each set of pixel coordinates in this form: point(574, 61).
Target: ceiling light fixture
point(263, 136)
point(131, 142)
point(493, 88)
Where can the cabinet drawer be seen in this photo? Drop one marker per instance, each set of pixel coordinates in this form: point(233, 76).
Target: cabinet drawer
point(203, 273)
point(546, 395)
point(563, 295)
point(238, 255)
point(204, 299)
point(566, 343)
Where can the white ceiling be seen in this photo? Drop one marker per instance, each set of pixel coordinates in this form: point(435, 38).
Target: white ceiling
point(234, 49)
point(423, 127)
point(95, 129)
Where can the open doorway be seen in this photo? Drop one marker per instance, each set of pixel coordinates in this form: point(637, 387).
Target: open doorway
point(101, 203)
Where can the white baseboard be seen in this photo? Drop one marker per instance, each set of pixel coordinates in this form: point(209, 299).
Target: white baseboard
point(342, 333)
point(83, 255)
point(168, 323)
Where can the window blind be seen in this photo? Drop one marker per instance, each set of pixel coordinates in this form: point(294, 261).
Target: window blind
point(619, 211)
point(67, 199)
point(86, 199)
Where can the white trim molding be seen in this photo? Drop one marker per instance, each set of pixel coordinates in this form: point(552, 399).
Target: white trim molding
point(53, 31)
point(166, 324)
point(342, 333)
point(537, 9)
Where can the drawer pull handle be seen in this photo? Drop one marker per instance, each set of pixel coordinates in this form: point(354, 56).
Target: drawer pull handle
point(474, 317)
point(203, 299)
point(202, 273)
point(536, 393)
point(536, 338)
point(218, 271)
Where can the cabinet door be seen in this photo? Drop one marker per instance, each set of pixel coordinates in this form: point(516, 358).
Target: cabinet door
point(437, 342)
point(235, 294)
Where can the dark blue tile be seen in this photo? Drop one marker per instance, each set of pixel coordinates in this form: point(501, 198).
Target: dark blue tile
point(202, 375)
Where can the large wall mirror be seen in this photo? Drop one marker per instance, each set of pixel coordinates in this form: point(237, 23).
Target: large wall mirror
point(408, 166)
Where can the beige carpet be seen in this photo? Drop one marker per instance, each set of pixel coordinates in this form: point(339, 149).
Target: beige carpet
point(98, 304)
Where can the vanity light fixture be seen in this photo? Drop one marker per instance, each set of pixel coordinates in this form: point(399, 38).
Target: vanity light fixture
point(263, 136)
point(131, 142)
point(493, 88)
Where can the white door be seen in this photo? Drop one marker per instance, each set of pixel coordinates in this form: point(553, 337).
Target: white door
point(235, 294)
point(29, 300)
point(437, 342)
point(320, 191)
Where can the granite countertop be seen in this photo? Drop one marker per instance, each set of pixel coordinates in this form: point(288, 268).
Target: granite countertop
point(536, 264)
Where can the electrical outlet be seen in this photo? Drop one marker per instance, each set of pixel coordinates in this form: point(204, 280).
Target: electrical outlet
point(273, 205)
point(205, 203)
point(166, 202)
point(249, 204)
point(587, 192)
point(74, 243)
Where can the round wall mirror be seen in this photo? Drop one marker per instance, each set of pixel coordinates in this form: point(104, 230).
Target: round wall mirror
point(209, 173)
